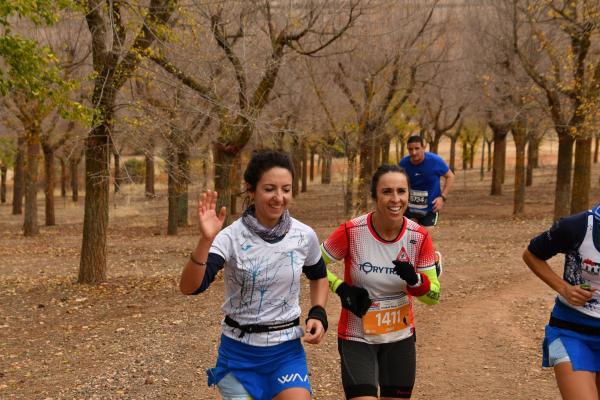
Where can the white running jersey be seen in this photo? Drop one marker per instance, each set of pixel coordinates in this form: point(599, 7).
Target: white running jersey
point(262, 280)
point(587, 266)
point(368, 263)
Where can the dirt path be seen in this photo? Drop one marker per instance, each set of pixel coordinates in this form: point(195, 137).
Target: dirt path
point(136, 337)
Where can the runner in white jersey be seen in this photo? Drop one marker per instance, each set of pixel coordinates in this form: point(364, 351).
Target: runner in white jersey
point(263, 255)
point(388, 260)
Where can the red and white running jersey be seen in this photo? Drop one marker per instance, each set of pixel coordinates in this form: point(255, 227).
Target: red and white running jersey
point(368, 263)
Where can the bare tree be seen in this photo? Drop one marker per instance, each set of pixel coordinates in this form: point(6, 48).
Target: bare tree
point(568, 74)
point(306, 30)
point(115, 57)
point(378, 84)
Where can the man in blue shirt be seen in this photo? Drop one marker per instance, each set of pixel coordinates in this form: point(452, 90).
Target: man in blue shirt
point(427, 196)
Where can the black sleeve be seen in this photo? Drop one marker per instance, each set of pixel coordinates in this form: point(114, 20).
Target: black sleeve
point(565, 235)
point(317, 271)
point(214, 264)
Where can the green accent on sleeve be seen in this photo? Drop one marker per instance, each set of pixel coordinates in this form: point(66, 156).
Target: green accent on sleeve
point(325, 256)
point(334, 281)
point(433, 296)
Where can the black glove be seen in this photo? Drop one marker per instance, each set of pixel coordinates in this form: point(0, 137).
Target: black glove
point(406, 271)
point(355, 299)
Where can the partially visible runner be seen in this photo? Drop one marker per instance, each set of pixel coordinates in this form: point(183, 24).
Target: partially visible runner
point(263, 254)
point(427, 196)
point(572, 341)
point(388, 259)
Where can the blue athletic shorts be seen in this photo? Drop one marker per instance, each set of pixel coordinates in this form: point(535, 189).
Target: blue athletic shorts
point(583, 351)
point(263, 372)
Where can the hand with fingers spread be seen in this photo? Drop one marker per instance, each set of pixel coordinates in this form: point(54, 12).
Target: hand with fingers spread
point(576, 295)
point(210, 222)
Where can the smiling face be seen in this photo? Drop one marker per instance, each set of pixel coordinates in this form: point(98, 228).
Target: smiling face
point(392, 196)
point(272, 195)
point(416, 151)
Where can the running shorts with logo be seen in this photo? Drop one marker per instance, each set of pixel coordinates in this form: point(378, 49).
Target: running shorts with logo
point(429, 219)
point(391, 366)
point(262, 371)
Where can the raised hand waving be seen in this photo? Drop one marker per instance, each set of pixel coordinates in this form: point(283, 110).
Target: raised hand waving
point(210, 222)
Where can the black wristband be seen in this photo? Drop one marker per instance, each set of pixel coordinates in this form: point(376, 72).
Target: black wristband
point(317, 312)
point(443, 197)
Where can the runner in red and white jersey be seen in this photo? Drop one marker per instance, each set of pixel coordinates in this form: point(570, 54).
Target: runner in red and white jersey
point(388, 260)
point(368, 264)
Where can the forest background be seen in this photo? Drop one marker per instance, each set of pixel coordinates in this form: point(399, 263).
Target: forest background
point(132, 108)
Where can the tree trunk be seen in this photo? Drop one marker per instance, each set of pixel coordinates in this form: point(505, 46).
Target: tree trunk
point(435, 143)
point(582, 175)
point(464, 155)
point(30, 224)
point(326, 168)
point(149, 181)
point(173, 189)
point(236, 182)
point(453, 152)
point(19, 177)
point(348, 195)
point(183, 182)
point(49, 189)
point(375, 153)
point(312, 164)
point(92, 265)
point(224, 158)
point(117, 181)
point(402, 149)
point(385, 149)
point(63, 178)
point(320, 163)
point(365, 170)
point(171, 196)
point(519, 131)
point(472, 152)
point(3, 172)
point(73, 164)
point(397, 150)
point(532, 158)
point(296, 154)
point(562, 192)
point(500, 133)
point(304, 173)
point(490, 157)
point(481, 169)
point(596, 146)
point(171, 193)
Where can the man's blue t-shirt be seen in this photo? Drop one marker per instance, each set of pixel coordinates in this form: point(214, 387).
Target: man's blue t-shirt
point(424, 181)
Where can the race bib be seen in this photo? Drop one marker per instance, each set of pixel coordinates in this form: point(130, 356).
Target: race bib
point(419, 199)
point(388, 314)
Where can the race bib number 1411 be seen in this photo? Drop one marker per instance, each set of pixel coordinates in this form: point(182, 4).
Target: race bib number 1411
point(387, 315)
